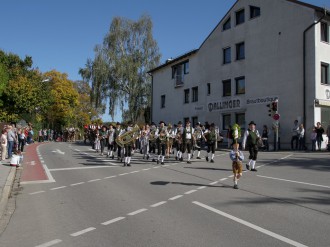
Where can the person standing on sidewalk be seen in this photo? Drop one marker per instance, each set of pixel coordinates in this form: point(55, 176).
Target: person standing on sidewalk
point(295, 135)
point(11, 140)
point(319, 135)
point(4, 142)
point(250, 141)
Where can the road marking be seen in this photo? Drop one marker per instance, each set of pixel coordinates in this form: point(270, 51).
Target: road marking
point(166, 165)
point(248, 224)
point(112, 221)
point(156, 167)
point(77, 150)
point(93, 180)
point(146, 169)
point(137, 211)
point(190, 191)
point(158, 204)
point(110, 177)
point(37, 192)
point(49, 175)
point(231, 176)
point(122, 174)
point(292, 181)
point(77, 184)
point(223, 179)
point(57, 188)
point(50, 243)
point(213, 183)
point(175, 197)
point(79, 168)
point(32, 163)
point(134, 172)
point(83, 231)
point(202, 187)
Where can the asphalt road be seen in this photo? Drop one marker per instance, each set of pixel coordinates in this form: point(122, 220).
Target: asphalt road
point(94, 201)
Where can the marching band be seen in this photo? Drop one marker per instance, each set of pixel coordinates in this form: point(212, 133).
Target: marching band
point(182, 141)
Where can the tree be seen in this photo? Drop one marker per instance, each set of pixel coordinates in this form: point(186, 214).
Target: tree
point(119, 70)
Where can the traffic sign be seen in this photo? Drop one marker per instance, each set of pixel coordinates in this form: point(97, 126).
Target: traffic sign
point(276, 116)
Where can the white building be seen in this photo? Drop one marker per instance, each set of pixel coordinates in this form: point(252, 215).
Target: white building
point(260, 51)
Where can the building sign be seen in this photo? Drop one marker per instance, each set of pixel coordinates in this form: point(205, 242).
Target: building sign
point(261, 100)
point(199, 108)
point(224, 105)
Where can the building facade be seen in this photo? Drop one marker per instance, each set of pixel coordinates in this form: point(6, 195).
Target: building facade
point(261, 50)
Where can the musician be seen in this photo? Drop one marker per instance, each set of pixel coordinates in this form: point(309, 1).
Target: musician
point(250, 141)
point(237, 157)
point(210, 138)
point(129, 146)
point(178, 141)
point(162, 135)
point(145, 141)
point(97, 144)
point(152, 141)
point(103, 138)
point(169, 141)
point(111, 141)
point(119, 131)
point(197, 140)
point(187, 137)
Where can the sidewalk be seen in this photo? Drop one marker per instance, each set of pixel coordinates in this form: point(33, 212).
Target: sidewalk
point(7, 177)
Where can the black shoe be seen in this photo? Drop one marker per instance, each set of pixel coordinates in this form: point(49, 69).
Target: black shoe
point(181, 159)
point(198, 158)
point(212, 161)
point(207, 158)
point(247, 166)
point(124, 164)
point(189, 162)
point(112, 157)
point(147, 156)
point(236, 186)
point(162, 163)
point(254, 170)
point(121, 160)
point(128, 164)
point(153, 160)
point(157, 162)
point(176, 157)
point(192, 156)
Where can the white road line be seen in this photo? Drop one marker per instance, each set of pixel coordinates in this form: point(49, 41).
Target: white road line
point(134, 172)
point(37, 192)
point(158, 204)
point(78, 168)
point(83, 231)
point(231, 176)
point(112, 221)
point(77, 184)
point(77, 150)
point(166, 165)
point(146, 169)
point(93, 180)
point(189, 192)
point(202, 187)
point(248, 224)
point(213, 183)
point(223, 179)
point(122, 174)
point(50, 243)
point(175, 197)
point(292, 181)
point(137, 211)
point(110, 177)
point(57, 188)
point(49, 175)
point(156, 167)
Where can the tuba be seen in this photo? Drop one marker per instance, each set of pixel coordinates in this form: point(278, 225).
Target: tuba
point(128, 136)
point(152, 134)
point(197, 135)
point(162, 135)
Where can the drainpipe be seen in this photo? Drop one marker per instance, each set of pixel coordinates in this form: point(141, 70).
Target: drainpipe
point(304, 64)
point(152, 89)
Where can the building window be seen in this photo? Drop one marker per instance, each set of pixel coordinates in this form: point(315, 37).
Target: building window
point(240, 85)
point(194, 121)
point(208, 88)
point(226, 121)
point(254, 12)
point(324, 32)
point(178, 72)
point(186, 96)
point(194, 94)
point(226, 88)
point(162, 101)
point(240, 120)
point(240, 17)
point(325, 73)
point(226, 55)
point(226, 25)
point(240, 51)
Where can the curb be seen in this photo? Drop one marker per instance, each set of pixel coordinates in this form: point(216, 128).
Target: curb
point(6, 191)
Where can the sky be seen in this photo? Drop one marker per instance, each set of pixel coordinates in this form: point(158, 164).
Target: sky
point(62, 34)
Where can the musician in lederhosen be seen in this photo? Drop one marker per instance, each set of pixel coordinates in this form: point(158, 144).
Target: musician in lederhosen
point(170, 139)
point(119, 131)
point(250, 142)
point(178, 141)
point(210, 138)
point(129, 146)
point(188, 138)
point(152, 141)
point(103, 138)
point(144, 138)
point(198, 134)
point(162, 135)
point(111, 141)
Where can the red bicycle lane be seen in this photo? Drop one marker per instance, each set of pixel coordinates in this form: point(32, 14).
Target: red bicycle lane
point(33, 169)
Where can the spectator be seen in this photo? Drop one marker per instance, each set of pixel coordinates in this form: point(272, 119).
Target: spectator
point(21, 139)
point(319, 133)
point(328, 134)
point(264, 137)
point(295, 135)
point(301, 137)
point(40, 136)
point(11, 140)
point(313, 139)
point(4, 143)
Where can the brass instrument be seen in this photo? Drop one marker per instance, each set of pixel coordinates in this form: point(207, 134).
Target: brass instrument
point(152, 135)
point(162, 135)
point(197, 135)
point(128, 136)
point(178, 136)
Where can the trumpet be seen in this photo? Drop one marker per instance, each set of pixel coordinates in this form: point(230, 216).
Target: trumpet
point(128, 136)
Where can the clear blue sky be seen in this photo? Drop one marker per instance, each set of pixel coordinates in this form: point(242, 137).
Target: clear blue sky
point(61, 34)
